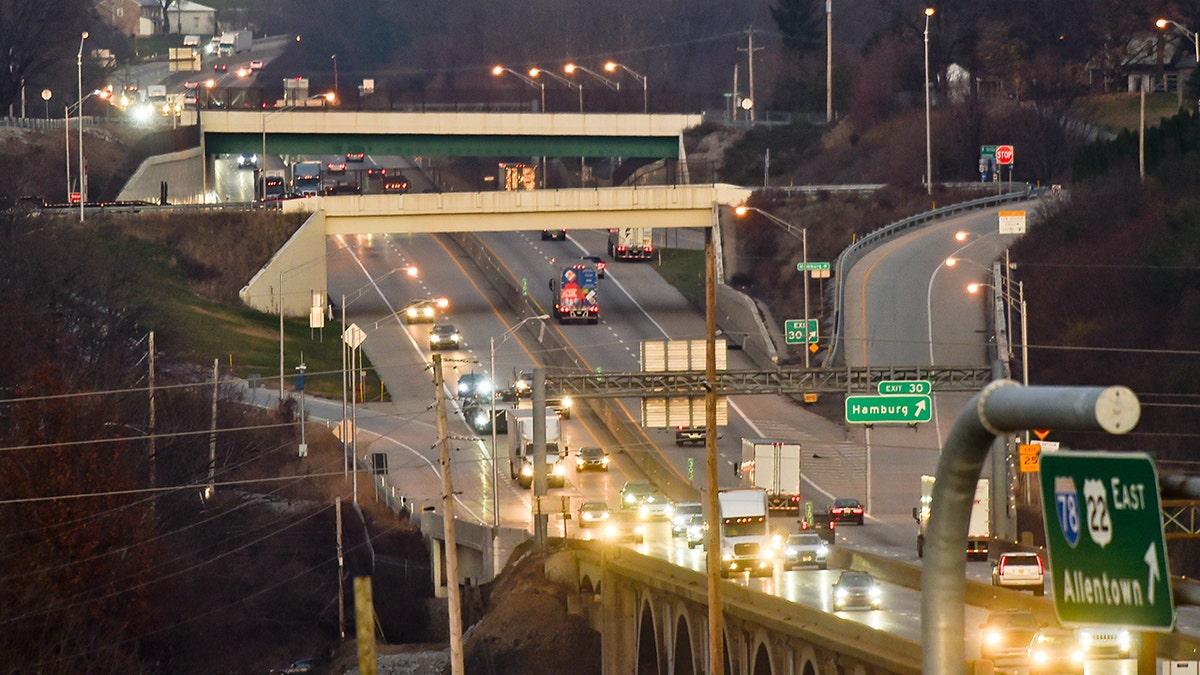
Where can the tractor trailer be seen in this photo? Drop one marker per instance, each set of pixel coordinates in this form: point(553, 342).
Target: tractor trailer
point(979, 532)
point(774, 466)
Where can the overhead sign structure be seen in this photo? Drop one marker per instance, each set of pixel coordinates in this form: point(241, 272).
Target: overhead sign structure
point(1104, 534)
point(796, 332)
point(888, 409)
point(892, 387)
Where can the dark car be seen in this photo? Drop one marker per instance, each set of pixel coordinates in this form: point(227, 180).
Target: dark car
point(846, 509)
point(635, 493)
point(297, 667)
point(1007, 635)
point(423, 311)
point(590, 458)
point(856, 590)
point(559, 235)
point(598, 262)
point(1056, 650)
point(445, 336)
point(481, 416)
point(474, 385)
point(220, 67)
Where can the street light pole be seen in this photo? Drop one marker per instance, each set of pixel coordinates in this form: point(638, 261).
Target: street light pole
point(611, 67)
point(1162, 25)
point(82, 172)
point(789, 228)
point(828, 60)
point(500, 70)
point(535, 72)
point(929, 11)
point(336, 95)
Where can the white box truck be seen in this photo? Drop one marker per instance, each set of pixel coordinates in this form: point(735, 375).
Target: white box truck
point(236, 42)
point(774, 466)
point(520, 449)
point(979, 530)
point(746, 542)
point(631, 243)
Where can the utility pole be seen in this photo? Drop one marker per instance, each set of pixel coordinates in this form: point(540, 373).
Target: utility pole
point(153, 451)
point(451, 543)
point(750, 49)
point(212, 437)
point(828, 60)
point(716, 630)
point(341, 572)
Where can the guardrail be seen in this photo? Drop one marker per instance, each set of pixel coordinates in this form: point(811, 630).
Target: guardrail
point(855, 252)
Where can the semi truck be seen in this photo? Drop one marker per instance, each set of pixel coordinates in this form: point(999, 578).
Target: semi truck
point(306, 179)
point(746, 540)
point(520, 449)
point(630, 243)
point(235, 42)
point(979, 530)
point(774, 466)
point(274, 186)
point(574, 294)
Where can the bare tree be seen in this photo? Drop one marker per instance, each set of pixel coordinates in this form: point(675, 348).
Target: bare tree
point(37, 37)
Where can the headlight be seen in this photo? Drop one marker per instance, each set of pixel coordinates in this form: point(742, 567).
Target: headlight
point(579, 464)
point(559, 470)
point(604, 461)
point(727, 556)
point(643, 511)
point(876, 593)
point(610, 532)
point(639, 530)
point(566, 401)
point(481, 420)
point(1125, 640)
point(841, 594)
point(822, 550)
point(527, 471)
point(993, 637)
point(629, 499)
point(670, 511)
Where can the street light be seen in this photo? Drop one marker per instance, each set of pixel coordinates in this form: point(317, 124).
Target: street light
point(335, 74)
point(536, 72)
point(929, 11)
point(500, 70)
point(741, 211)
point(1162, 25)
point(570, 69)
point(612, 66)
point(78, 105)
point(82, 172)
point(495, 470)
point(1020, 301)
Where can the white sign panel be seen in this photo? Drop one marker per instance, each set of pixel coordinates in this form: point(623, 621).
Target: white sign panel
point(1012, 222)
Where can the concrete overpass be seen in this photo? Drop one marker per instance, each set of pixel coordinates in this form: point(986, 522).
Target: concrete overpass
point(298, 268)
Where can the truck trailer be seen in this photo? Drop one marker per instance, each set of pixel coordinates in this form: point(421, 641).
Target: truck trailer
point(774, 466)
point(631, 243)
point(574, 295)
point(979, 530)
point(306, 179)
point(520, 449)
point(235, 42)
point(746, 541)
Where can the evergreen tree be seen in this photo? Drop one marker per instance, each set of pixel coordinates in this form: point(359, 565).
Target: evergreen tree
point(801, 24)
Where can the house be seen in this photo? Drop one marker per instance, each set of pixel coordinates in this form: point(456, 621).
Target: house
point(145, 17)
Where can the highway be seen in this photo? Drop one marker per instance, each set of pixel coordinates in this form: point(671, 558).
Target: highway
point(888, 322)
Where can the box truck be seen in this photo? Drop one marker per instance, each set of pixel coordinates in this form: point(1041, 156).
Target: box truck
point(979, 532)
point(774, 466)
point(520, 449)
point(630, 243)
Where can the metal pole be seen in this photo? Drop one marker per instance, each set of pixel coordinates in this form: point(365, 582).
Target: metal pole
point(1002, 407)
point(67, 145)
point(828, 60)
point(807, 274)
point(345, 431)
point(354, 420)
point(281, 339)
point(495, 477)
point(928, 141)
point(82, 172)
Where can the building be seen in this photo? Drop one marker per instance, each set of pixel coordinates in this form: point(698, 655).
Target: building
point(144, 17)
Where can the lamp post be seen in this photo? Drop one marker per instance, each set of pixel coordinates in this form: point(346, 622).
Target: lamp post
point(828, 60)
point(1020, 302)
point(929, 11)
point(1162, 25)
point(78, 105)
point(612, 66)
point(495, 467)
point(500, 70)
point(82, 172)
point(570, 69)
point(335, 75)
point(537, 72)
point(789, 228)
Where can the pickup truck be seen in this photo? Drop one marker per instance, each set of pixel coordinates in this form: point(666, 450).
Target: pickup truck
point(1019, 570)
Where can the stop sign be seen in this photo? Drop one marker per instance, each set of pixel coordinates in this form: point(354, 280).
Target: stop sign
point(1004, 154)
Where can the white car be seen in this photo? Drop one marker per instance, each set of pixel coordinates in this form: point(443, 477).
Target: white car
point(656, 509)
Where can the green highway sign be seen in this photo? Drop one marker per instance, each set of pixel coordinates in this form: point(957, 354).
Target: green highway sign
point(796, 333)
point(891, 387)
point(1104, 534)
point(888, 409)
point(811, 266)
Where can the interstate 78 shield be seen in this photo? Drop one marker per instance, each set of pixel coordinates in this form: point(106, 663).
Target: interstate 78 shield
point(1104, 535)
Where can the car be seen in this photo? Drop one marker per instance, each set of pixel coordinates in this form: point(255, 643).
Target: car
point(1021, 570)
point(593, 514)
point(1107, 643)
point(423, 311)
point(633, 493)
point(805, 548)
point(683, 514)
point(521, 387)
point(559, 235)
point(256, 65)
point(856, 590)
point(247, 162)
point(243, 72)
point(355, 156)
point(846, 509)
point(1055, 650)
point(656, 507)
point(624, 526)
point(445, 336)
point(481, 416)
point(598, 262)
point(696, 531)
point(694, 435)
point(474, 386)
point(591, 458)
point(220, 67)
point(335, 167)
point(1007, 635)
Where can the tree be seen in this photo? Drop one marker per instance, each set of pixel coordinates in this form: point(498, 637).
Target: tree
point(37, 37)
point(801, 23)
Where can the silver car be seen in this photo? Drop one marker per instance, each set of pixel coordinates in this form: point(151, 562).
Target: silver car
point(805, 548)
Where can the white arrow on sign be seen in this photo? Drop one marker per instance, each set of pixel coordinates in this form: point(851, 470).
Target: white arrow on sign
point(920, 407)
point(1151, 559)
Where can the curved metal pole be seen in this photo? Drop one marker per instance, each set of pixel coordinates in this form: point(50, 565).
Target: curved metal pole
point(1002, 407)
